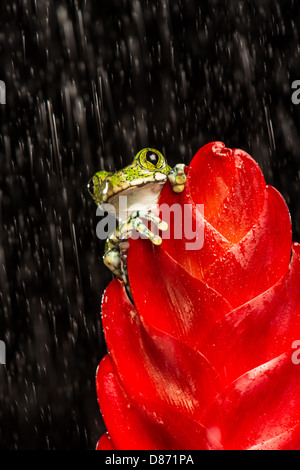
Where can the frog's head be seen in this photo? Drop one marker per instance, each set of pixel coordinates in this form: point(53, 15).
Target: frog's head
point(148, 166)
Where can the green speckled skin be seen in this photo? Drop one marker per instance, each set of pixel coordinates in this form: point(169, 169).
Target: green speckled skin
point(107, 184)
point(149, 166)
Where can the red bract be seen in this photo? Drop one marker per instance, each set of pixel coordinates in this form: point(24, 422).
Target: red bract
point(203, 359)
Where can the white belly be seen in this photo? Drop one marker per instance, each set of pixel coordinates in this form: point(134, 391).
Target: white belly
point(144, 198)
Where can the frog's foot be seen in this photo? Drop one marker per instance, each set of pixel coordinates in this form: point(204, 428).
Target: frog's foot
point(177, 177)
point(135, 223)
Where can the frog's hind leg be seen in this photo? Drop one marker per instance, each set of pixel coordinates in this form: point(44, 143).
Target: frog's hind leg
point(115, 257)
point(124, 245)
point(112, 259)
point(116, 260)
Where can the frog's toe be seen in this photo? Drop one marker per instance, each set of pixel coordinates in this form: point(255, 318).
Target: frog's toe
point(177, 178)
point(143, 230)
point(180, 179)
point(161, 225)
point(178, 188)
point(156, 240)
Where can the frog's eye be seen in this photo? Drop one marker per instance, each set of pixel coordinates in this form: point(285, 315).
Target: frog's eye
point(151, 159)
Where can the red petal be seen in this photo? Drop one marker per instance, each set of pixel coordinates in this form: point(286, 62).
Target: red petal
point(184, 306)
point(259, 405)
point(153, 364)
point(143, 425)
point(231, 186)
point(288, 440)
point(259, 260)
point(250, 211)
point(105, 443)
point(126, 427)
point(176, 241)
point(259, 330)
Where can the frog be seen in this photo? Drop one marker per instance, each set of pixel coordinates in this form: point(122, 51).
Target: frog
point(141, 182)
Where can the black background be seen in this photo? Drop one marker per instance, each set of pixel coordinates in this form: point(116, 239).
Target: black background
point(89, 83)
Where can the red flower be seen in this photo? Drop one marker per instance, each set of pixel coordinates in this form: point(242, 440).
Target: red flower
point(203, 360)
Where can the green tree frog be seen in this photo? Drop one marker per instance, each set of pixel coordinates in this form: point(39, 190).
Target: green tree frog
point(141, 182)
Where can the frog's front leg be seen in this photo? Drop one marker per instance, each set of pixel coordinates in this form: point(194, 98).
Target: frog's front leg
point(177, 177)
point(115, 257)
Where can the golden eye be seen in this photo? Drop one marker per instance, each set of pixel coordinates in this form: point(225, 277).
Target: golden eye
point(151, 159)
